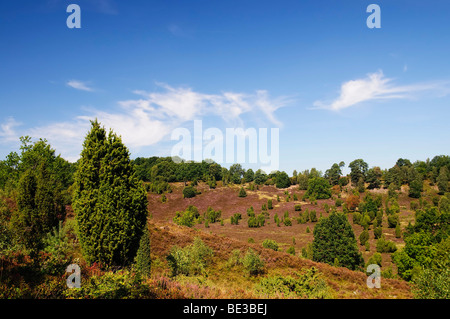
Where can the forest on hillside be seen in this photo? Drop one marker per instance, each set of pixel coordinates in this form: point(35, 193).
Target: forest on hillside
point(97, 213)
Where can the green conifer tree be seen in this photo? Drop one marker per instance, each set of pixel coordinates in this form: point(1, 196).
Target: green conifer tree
point(109, 201)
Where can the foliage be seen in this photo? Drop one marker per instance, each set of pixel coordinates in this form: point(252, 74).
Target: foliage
point(253, 263)
point(375, 259)
point(358, 170)
point(190, 260)
point(188, 218)
point(334, 238)
point(271, 244)
point(107, 189)
point(242, 192)
point(432, 284)
point(385, 246)
point(211, 215)
point(309, 284)
point(282, 180)
point(190, 191)
point(318, 188)
point(363, 237)
point(143, 260)
point(111, 285)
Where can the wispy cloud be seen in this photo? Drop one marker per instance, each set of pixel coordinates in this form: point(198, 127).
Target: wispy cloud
point(150, 118)
point(79, 85)
point(8, 132)
point(377, 87)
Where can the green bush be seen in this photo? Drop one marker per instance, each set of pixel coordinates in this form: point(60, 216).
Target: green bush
point(377, 232)
point(242, 192)
point(190, 260)
point(291, 250)
point(287, 221)
point(235, 219)
point(271, 244)
point(313, 216)
point(143, 260)
point(375, 259)
point(118, 285)
point(211, 215)
point(188, 218)
point(385, 246)
point(110, 203)
point(189, 192)
point(393, 220)
point(253, 263)
point(363, 237)
point(309, 284)
point(334, 238)
point(269, 204)
point(298, 207)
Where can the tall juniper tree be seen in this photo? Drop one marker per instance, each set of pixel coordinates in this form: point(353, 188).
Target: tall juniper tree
point(109, 201)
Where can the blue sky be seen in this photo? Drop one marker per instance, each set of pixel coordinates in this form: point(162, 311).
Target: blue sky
point(336, 89)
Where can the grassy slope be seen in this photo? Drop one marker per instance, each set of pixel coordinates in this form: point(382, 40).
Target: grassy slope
point(223, 282)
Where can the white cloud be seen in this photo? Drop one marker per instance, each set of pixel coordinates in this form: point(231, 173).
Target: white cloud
point(151, 118)
point(79, 85)
point(376, 87)
point(7, 131)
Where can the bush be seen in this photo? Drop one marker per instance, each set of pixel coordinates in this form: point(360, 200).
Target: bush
point(190, 260)
point(364, 237)
point(189, 192)
point(287, 222)
point(298, 208)
point(142, 260)
point(385, 246)
point(377, 232)
point(252, 222)
point(393, 220)
point(253, 263)
point(271, 244)
point(188, 218)
point(242, 192)
point(334, 238)
point(235, 219)
point(375, 260)
point(291, 250)
point(118, 285)
point(269, 204)
point(212, 216)
point(313, 216)
point(339, 202)
point(318, 188)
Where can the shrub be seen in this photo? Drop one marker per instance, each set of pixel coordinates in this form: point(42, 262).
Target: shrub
point(334, 238)
point(298, 208)
point(253, 263)
point(352, 202)
point(393, 220)
point(109, 201)
point(142, 259)
point(188, 218)
point(318, 188)
point(385, 246)
point(234, 259)
point(287, 222)
point(269, 204)
point(118, 285)
point(308, 230)
point(364, 237)
point(190, 260)
point(212, 216)
point(189, 192)
point(339, 202)
point(375, 259)
point(313, 216)
point(398, 231)
point(242, 192)
point(291, 250)
point(377, 232)
point(252, 222)
point(271, 244)
point(235, 219)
